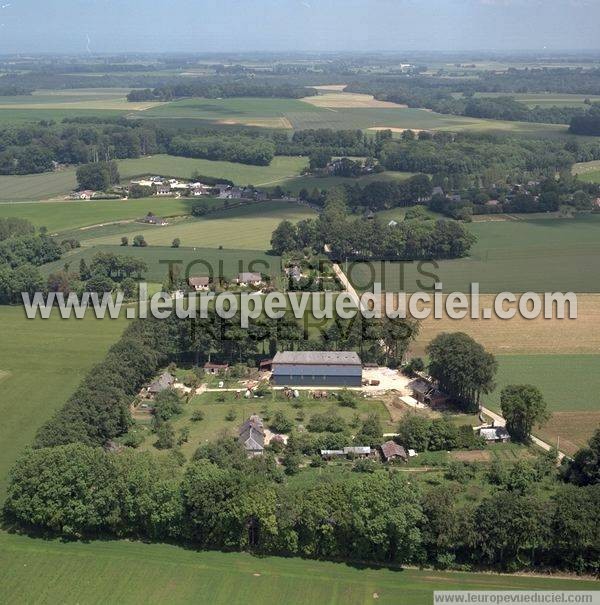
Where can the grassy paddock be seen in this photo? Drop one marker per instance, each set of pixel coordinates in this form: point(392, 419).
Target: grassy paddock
point(42, 361)
point(198, 261)
point(43, 571)
point(245, 227)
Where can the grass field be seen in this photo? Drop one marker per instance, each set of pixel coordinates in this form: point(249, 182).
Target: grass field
point(43, 571)
point(246, 227)
point(49, 185)
point(42, 362)
point(588, 171)
point(199, 261)
point(545, 99)
point(518, 256)
point(68, 215)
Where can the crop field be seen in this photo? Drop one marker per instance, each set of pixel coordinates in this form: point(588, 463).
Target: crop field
point(518, 256)
point(571, 387)
point(126, 572)
point(42, 362)
point(331, 110)
point(86, 98)
point(245, 227)
point(196, 261)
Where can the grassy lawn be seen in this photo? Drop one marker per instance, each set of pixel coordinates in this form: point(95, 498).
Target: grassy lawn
point(518, 256)
point(217, 405)
point(551, 99)
point(199, 261)
point(246, 227)
point(42, 571)
point(41, 362)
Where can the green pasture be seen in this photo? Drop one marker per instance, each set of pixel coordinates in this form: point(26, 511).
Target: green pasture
point(570, 383)
point(192, 261)
point(588, 171)
point(514, 255)
point(281, 169)
point(16, 188)
point(119, 571)
point(71, 215)
point(42, 361)
point(245, 227)
point(550, 99)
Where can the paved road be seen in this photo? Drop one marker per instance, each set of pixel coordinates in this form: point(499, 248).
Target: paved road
point(497, 418)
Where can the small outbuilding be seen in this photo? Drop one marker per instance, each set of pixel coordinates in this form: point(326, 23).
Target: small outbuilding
point(216, 368)
point(163, 382)
point(252, 436)
point(390, 450)
point(494, 434)
point(317, 368)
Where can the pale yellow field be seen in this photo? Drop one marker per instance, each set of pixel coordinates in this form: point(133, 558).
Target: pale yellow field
point(260, 122)
point(521, 336)
point(339, 100)
point(332, 87)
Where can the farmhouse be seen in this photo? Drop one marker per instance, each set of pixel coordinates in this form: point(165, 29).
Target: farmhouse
point(199, 283)
point(165, 381)
point(252, 436)
point(390, 450)
point(163, 189)
point(86, 194)
point(317, 368)
point(249, 279)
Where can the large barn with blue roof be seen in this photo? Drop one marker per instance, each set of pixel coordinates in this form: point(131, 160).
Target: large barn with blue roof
point(317, 368)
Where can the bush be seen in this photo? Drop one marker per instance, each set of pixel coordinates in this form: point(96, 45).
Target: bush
point(165, 437)
point(280, 423)
point(346, 399)
point(197, 416)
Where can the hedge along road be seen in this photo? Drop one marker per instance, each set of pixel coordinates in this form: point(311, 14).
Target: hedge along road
point(497, 418)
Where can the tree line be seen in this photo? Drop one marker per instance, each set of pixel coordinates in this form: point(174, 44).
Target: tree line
point(372, 238)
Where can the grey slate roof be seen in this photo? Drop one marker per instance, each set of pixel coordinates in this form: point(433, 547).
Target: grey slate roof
point(164, 382)
point(312, 358)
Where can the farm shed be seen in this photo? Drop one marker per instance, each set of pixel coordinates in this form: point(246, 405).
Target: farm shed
point(216, 368)
point(497, 434)
point(317, 368)
point(390, 450)
point(199, 283)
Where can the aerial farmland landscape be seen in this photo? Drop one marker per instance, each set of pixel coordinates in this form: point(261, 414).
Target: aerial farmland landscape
point(300, 302)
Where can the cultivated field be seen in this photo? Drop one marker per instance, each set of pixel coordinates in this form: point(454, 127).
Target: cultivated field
point(42, 362)
point(338, 110)
point(515, 255)
point(245, 227)
point(42, 571)
point(84, 98)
